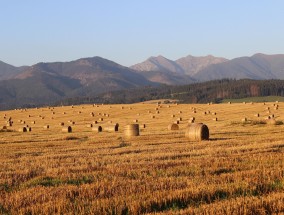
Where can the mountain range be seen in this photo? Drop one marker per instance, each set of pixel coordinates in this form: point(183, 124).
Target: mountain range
point(43, 83)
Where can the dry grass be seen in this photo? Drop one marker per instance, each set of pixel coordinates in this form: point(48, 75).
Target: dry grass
point(240, 170)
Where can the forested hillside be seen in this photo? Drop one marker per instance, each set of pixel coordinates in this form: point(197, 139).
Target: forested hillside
point(212, 91)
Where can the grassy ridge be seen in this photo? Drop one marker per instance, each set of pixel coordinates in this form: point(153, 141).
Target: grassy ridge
point(255, 99)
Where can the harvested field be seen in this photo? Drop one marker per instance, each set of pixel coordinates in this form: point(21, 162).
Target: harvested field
point(239, 170)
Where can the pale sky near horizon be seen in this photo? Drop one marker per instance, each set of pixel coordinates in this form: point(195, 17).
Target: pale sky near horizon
point(130, 31)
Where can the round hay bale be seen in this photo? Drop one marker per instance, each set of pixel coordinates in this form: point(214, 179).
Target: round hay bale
point(176, 122)
point(90, 125)
point(101, 119)
point(23, 129)
point(214, 113)
point(135, 120)
point(23, 122)
point(229, 103)
point(173, 116)
point(143, 125)
point(191, 121)
point(244, 120)
point(29, 129)
point(131, 130)
point(111, 128)
point(33, 122)
point(257, 115)
point(153, 117)
point(197, 132)
point(46, 127)
point(67, 129)
point(194, 111)
point(157, 112)
point(61, 123)
point(205, 113)
point(215, 119)
point(173, 126)
point(95, 122)
point(179, 119)
point(9, 124)
point(97, 128)
point(271, 121)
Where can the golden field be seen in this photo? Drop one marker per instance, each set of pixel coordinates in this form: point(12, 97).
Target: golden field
point(239, 170)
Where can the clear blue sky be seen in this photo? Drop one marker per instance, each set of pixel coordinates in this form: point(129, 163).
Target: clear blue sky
point(129, 31)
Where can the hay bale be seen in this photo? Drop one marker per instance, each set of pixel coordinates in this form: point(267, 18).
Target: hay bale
point(90, 125)
point(173, 126)
point(61, 123)
point(46, 127)
point(214, 113)
point(176, 122)
point(192, 118)
point(143, 125)
point(23, 129)
point(215, 119)
point(229, 103)
point(29, 129)
point(244, 119)
point(67, 129)
point(9, 124)
point(173, 116)
point(257, 115)
point(97, 128)
point(23, 122)
point(271, 122)
point(33, 122)
point(135, 120)
point(4, 127)
point(191, 121)
point(101, 119)
point(131, 130)
point(153, 117)
point(95, 122)
point(111, 128)
point(197, 132)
